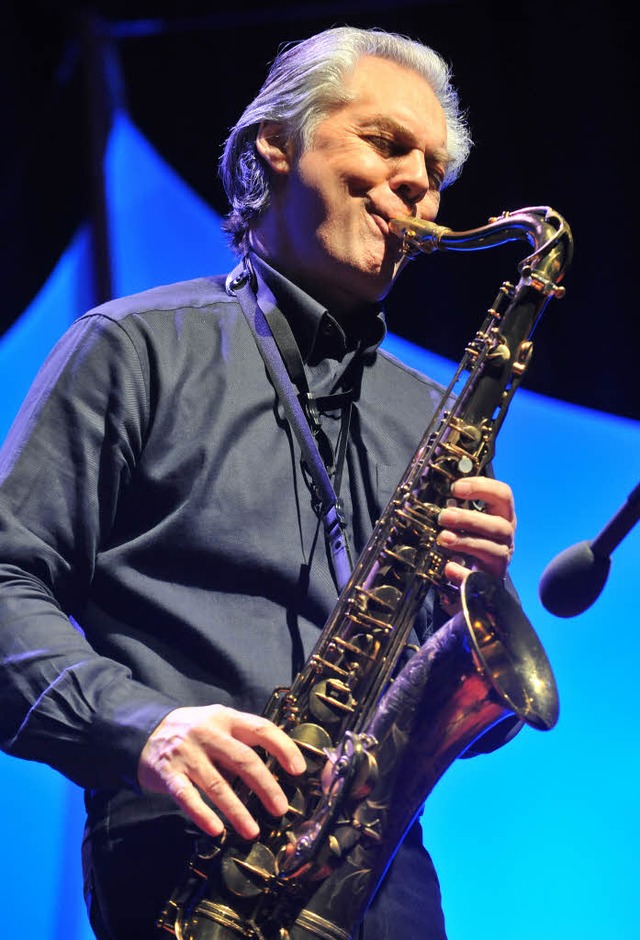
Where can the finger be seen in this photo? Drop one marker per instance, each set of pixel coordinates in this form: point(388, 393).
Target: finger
point(203, 776)
point(205, 749)
point(200, 777)
point(186, 795)
point(220, 792)
point(187, 756)
point(457, 521)
point(496, 495)
point(248, 732)
point(247, 765)
point(492, 557)
point(186, 774)
point(260, 732)
point(456, 573)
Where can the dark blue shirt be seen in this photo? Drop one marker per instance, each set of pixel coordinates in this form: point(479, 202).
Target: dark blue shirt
point(158, 541)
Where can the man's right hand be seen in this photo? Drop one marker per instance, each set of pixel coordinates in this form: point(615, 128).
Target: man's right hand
point(200, 750)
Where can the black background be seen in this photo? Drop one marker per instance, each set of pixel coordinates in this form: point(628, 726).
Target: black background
point(551, 91)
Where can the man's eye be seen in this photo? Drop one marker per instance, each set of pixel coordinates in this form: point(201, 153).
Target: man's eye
point(383, 144)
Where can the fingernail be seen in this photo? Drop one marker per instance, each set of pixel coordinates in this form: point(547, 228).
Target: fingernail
point(298, 764)
point(281, 805)
point(446, 538)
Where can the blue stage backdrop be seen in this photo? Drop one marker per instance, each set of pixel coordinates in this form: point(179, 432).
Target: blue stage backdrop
point(536, 842)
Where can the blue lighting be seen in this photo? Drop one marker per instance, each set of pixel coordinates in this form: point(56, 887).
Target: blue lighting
point(535, 842)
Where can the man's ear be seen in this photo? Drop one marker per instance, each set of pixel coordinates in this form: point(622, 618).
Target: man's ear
point(273, 146)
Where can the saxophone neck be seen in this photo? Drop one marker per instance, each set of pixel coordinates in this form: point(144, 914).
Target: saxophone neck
point(546, 230)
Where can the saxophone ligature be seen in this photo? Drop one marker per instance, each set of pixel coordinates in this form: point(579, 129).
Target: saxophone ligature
point(377, 736)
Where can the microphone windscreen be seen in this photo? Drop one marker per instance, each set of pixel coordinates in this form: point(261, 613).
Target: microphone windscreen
point(573, 580)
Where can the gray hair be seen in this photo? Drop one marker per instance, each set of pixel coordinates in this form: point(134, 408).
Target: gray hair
point(305, 83)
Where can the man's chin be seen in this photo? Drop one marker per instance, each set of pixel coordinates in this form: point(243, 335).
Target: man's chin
point(370, 284)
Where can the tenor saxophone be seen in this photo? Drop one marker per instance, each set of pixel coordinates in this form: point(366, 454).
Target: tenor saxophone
point(377, 735)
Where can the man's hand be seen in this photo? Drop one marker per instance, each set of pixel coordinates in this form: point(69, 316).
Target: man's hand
point(485, 539)
point(199, 750)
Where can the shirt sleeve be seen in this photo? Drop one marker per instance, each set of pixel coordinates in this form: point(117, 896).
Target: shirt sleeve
point(67, 457)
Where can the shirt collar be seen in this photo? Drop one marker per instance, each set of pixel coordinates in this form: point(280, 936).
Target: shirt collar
point(318, 334)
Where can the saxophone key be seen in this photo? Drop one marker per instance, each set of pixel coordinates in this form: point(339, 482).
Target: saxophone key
point(246, 875)
point(313, 741)
point(331, 700)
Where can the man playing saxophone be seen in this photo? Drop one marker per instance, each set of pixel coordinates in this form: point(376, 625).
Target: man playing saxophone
point(163, 565)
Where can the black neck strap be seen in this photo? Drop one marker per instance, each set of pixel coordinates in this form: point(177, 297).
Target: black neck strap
point(239, 284)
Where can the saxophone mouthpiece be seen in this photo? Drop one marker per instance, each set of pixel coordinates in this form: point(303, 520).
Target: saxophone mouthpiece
point(418, 235)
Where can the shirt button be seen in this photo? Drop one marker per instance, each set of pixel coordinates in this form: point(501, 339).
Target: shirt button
point(327, 327)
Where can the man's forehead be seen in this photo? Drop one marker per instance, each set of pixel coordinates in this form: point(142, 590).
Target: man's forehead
point(389, 88)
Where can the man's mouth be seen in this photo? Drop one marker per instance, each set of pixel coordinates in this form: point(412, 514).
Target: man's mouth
point(380, 221)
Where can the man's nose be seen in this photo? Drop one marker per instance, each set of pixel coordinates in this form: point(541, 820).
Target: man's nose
point(411, 179)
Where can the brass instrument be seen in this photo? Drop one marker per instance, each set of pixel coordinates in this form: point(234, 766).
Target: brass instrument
point(378, 737)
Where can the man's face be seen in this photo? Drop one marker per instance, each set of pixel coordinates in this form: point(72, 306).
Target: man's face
point(381, 156)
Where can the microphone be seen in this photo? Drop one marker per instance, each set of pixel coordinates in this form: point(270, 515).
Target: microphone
point(573, 580)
